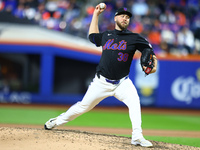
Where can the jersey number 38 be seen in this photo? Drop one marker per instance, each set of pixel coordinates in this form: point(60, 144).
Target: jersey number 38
point(122, 56)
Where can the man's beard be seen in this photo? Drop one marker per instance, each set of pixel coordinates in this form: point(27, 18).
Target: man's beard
point(121, 26)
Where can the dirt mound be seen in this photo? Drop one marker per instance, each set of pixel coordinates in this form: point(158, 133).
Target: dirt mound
point(39, 139)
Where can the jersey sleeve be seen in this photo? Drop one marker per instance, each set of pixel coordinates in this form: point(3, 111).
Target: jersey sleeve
point(96, 38)
point(142, 43)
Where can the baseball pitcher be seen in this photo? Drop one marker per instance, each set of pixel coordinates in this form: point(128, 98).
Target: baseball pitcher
point(112, 73)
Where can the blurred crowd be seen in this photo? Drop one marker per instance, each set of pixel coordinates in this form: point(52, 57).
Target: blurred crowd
point(170, 26)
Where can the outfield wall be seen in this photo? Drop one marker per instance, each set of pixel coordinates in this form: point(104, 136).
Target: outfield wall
point(176, 84)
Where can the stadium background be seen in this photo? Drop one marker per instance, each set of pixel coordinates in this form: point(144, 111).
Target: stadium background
point(46, 59)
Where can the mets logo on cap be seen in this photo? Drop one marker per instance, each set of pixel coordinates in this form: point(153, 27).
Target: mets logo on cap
point(123, 10)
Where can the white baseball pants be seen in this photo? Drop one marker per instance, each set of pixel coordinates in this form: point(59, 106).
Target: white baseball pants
point(99, 89)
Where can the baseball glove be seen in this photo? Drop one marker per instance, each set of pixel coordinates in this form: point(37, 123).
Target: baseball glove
point(146, 60)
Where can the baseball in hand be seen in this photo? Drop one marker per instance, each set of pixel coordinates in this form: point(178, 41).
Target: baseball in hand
point(102, 5)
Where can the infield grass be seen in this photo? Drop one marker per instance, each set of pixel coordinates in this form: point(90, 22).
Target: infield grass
point(38, 116)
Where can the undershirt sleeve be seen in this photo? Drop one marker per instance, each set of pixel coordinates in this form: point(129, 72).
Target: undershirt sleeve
point(96, 38)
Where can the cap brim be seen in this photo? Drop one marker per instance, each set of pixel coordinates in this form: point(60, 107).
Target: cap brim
point(124, 12)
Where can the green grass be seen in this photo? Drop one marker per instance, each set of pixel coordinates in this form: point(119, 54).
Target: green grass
point(25, 115)
point(109, 119)
point(101, 119)
point(171, 122)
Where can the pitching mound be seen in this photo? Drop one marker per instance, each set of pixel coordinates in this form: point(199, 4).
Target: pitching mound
point(40, 139)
